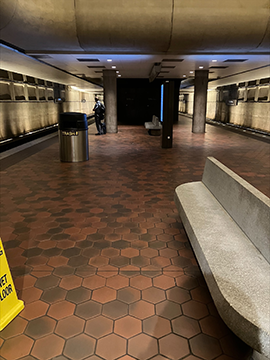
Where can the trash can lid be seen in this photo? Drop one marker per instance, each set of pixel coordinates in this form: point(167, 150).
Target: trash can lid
point(73, 120)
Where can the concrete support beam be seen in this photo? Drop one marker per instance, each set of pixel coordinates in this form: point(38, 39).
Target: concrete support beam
point(170, 111)
point(168, 107)
point(200, 101)
point(110, 100)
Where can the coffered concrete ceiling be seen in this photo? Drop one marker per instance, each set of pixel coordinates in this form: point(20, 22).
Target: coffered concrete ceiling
point(79, 36)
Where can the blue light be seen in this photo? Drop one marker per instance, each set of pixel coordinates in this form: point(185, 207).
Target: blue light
point(161, 103)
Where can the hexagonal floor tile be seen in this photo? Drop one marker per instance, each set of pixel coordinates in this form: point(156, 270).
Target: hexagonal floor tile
point(185, 326)
point(54, 295)
point(169, 253)
point(17, 347)
point(140, 261)
point(195, 309)
point(140, 282)
point(104, 295)
point(127, 326)
point(142, 347)
point(61, 310)
point(153, 295)
point(168, 309)
point(78, 295)
point(205, 346)
point(79, 347)
point(121, 244)
point(47, 282)
point(98, 261)
point(99, 326)
point(149, 253)
point(178, 295)
point(14, 328)
point(186, 282)
point(69, 327)
point(115, 309)
point(141, 309)
point(48, 347)
point(119, 261)
point(117, 282)
point(34, 310)
point(214, 326)
point(173, 346)
point(111, 347)
point(130, 252)
point(107, 271)
point(64, 270)
point(88, 309)
point(163, 282)
point(110, 252)
point(40, 327)
point(68, 253)
point(77, 261)
point(156, 326)
point(201, 294)
point(128, 295)
point(94, 282)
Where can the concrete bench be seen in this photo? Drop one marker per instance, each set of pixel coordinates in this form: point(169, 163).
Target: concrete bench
point(154, 127)
point(227, 221)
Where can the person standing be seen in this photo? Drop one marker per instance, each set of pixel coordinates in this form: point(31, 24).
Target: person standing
point(99, 110)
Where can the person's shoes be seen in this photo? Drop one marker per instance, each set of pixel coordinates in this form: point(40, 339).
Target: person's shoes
point(97, 134)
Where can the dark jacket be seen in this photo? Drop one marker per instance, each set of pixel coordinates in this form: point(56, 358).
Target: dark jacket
point(99, 109)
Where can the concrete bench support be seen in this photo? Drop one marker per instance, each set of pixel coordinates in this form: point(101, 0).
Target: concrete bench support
point(227, 221)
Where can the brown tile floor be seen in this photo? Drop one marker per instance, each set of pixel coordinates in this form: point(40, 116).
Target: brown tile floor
point(100, 257)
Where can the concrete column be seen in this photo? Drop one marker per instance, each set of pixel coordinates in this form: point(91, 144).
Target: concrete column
point(200, 101)
point(110, 100)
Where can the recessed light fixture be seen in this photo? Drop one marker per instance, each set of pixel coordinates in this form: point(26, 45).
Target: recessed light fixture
point(88, 60)
point(113, 67)
point(119, 75)
point(109, 59)
point(191, 72)
point(214, 60)
point(184, 75)
point(117, 72)
point(200, 67)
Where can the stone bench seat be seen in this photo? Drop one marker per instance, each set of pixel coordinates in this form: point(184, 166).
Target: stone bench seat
point(154, 126)
point(230, 239)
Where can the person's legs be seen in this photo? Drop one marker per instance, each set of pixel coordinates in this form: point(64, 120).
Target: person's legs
point(98, 124)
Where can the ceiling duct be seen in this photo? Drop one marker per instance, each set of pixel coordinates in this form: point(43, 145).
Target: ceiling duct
point(154, 72)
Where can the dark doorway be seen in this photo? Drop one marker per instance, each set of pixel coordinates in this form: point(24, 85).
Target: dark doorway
point(137, 100)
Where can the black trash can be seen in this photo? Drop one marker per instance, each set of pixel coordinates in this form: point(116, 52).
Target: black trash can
point(73, 137)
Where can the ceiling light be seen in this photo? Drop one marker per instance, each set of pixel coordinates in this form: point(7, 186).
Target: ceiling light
point(200, 67)
point(119, 75)
point(113, 67)
point(184, 75)
point(109, 59)
point(117, 72)
point(191, 72)
point(214, 60)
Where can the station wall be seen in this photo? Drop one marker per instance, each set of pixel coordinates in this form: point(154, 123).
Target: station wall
point(250, 108)
point(29, 104)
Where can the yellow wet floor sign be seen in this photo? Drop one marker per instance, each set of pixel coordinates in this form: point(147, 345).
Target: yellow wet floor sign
point(10, 306)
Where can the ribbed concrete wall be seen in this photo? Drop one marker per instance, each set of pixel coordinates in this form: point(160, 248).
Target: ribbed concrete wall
point(139, 26)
